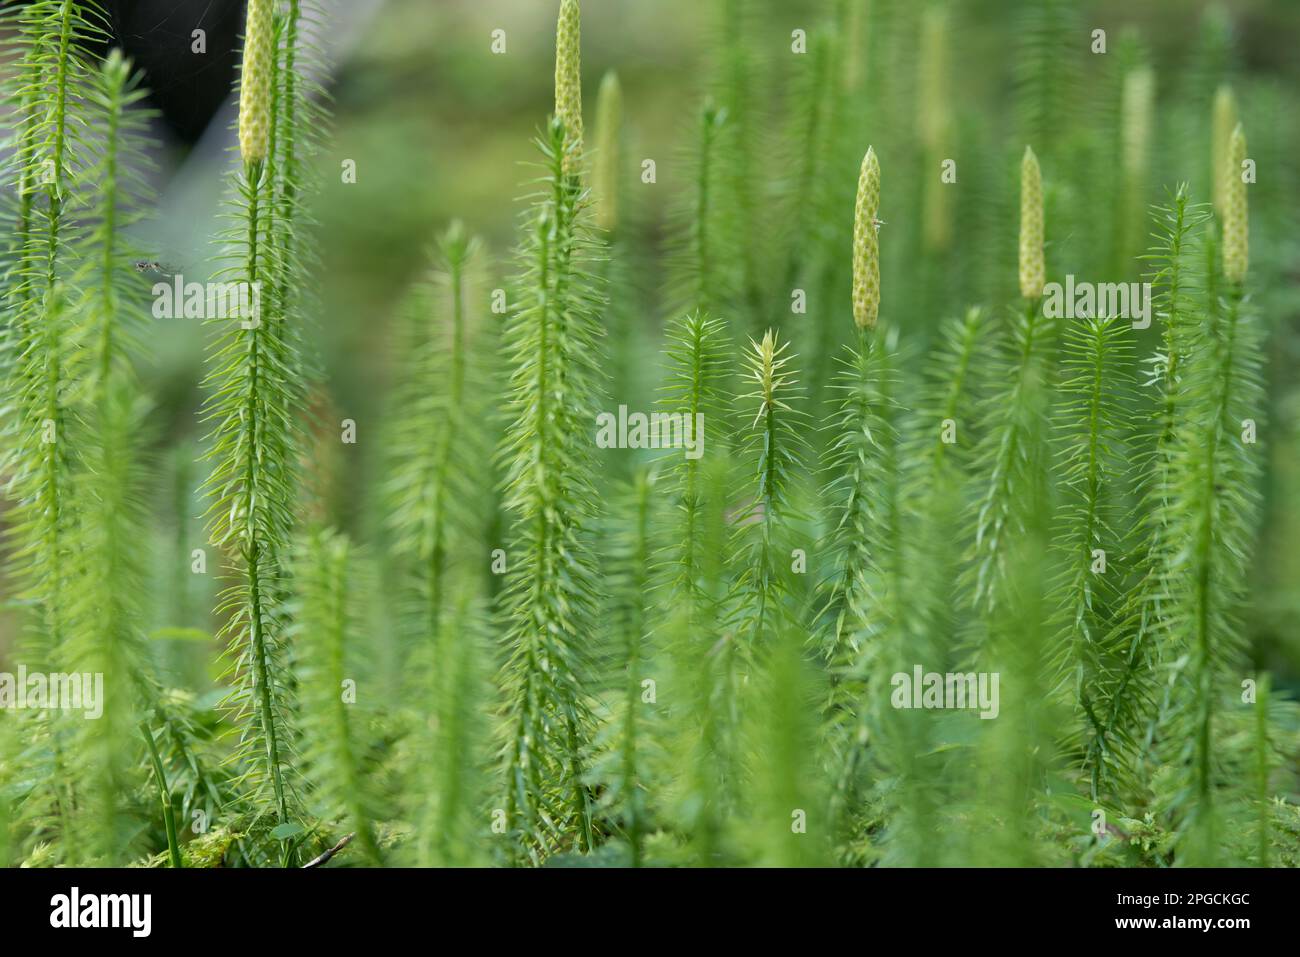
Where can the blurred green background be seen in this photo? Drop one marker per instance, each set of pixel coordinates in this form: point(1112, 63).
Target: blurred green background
point(439, 128)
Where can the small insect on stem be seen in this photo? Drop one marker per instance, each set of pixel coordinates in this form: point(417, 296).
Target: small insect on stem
point(144, 266)
point(878, 223)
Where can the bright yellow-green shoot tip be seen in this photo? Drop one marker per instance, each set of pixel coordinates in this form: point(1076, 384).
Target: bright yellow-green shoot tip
point(605, 166)
point(866, 244)
point(1224, 122)
point(1236, 234)
point(1033, 269)
point(568, 80)
point(256, 77)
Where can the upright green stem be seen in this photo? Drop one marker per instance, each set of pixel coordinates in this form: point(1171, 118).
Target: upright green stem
point(998, 507)
point(1262, 748)
point(1204, 584)
point(254, 556)
point(442, 458)
point(164, 797)
point(287, 106)
point(567, 188)
point(704, 281)
point(640, 561)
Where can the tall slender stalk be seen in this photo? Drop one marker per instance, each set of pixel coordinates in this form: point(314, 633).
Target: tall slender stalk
point(56, 88)
point(437, 452)
point(774, 444)
point(1213, 510)
point(253, 442)
point(1120, 737)
point(164, 799)
point(1263, 747)
point(1010, 533)
point(629, 724)
point(1092, 421)
point(107, 635)
point(328, 581)
point(450, 782)
point(551, 344)
point(853, 486)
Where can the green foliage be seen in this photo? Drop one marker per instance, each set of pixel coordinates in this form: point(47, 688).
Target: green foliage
point(763, 592)
point(627, 746)
point(551, 348)
point(449, 770)
point(702, 730)
point(257, 386)
point(1211, 514)
point(329, 583)
point(700, 275)
point(860, 626)
point(477, 641)
point(1092, 422)
point(695, 386)
point(107, 635)
point(435, 505)
point(1012, 456)
point(251, 489)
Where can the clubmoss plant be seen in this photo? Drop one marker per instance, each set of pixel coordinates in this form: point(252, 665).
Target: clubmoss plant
point(1033, 270)
point(939, 438)
point(1012, 455)
point(299, 121)
point(737, 88)
point(452, 755)
point(700, 278)
point(774, 445)
point(628, 741)
point(658, 655)
point(1124, 733)
point(935, 126)
point(1006, 576)
point(253, 445)
point(328, 582)
point(1047, 71)
point(868, 607)
point(866, 245)
point(1234, 213)
point(825, 272)
point(935, 446)
point(1092, 422)
point(809, 138)
point(763, 598)
point(697, 351)
point(1224, 121)
point(693, 583)
point(55, 138)
point(854, 473)
point(1264, 760)
point(858, 620)
point(627, 333)
point(551, 345)
point(568, 81)
point(788, 826)
point(608, 165)
point(1214, 472)
point(1137, 124)
point(107, 635)
point(437, 452)
point(705, 771)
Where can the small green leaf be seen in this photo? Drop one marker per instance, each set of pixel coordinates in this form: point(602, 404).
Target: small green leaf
point(286, 830)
